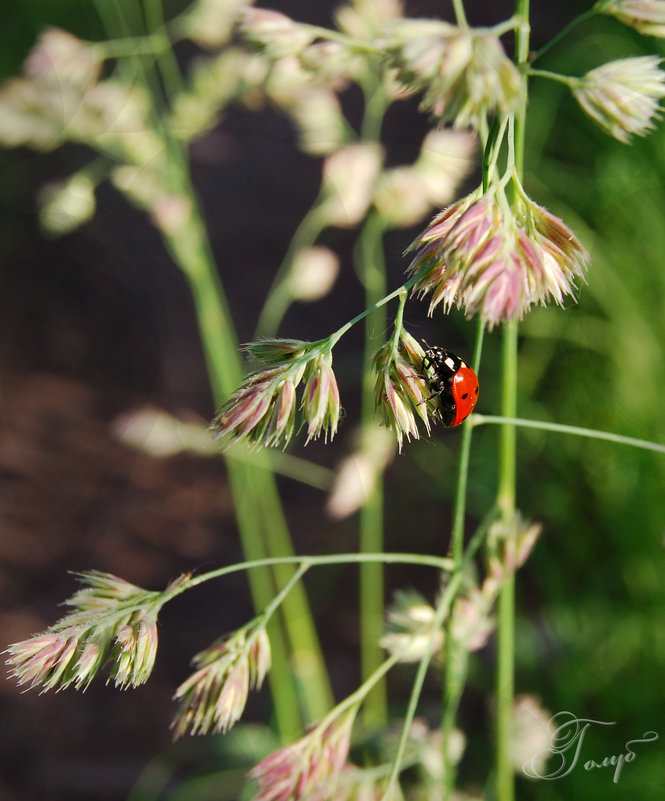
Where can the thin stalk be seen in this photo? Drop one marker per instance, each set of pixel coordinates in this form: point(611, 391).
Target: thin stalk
point(460, 14)
point(337, 335)
point(565, 31)
point(562, 428)
point(505, 679)
point(507, 457)
point(284, 464)
point(569, 80)
point(398, 325)
point(274, 604)
point(166, 60)
point(457, 537)
point(329, 342)
point(505, 674)
point(504, 27)
point(388, 558)
point(151, 45)
point(370, 263)
point(457, 658)
point(490, 151)
point(359, 695)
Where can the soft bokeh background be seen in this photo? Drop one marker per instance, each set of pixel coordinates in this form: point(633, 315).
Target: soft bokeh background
point(99, 323)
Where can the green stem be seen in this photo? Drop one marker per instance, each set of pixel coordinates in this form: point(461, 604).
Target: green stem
point(359, 695)
point(565, 31)
point(284, 464)
point(457, 537)
point(505, 681)
point(457, 658)
point(490, 151)
point(561, 428)
point(569, 80)
point(506, 503)
point(507, 468)
point(337, 335)
point(150, 45)
point(390, 558)
point(504, 27)
point(460, 14)
point(332, 35)
point(505, 674)
point(398, 325)
point(370, 264)
point(274, 604)
point(369, 260)
point(166, 60)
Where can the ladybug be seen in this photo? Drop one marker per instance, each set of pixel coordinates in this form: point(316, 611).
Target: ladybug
point(453, 382)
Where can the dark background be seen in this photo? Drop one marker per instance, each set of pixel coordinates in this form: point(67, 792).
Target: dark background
point(100, 322)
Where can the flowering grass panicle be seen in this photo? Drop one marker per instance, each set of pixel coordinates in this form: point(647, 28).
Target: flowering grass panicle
point(349, 176)
point(263, 411)
point(357, 474)
point(114, 622)
point(39, 108)
point(410, 631)
point(313, 273)
point(331, 63)
point(213, 698)
point(405, 194)
point(446, 158)
point(509, 545)
point(471, 622)
point(308, 769)
point(464, 74)
point(210, 23)
point(401, 390)
point(135, 650)
point(61, 59)
point(366, 19)
point(65, 205)
point(645, 16)
point(274, 32)
point(320, 404)
point(623, 96)
point(532, 735)
point(491, 259)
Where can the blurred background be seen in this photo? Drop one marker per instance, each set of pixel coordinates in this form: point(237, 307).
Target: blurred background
point(99, 323)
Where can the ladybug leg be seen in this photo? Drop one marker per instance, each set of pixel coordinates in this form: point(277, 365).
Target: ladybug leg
point(430, 397)
point(427, 364)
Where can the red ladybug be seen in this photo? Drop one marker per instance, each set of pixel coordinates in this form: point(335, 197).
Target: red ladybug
point(453, 382)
